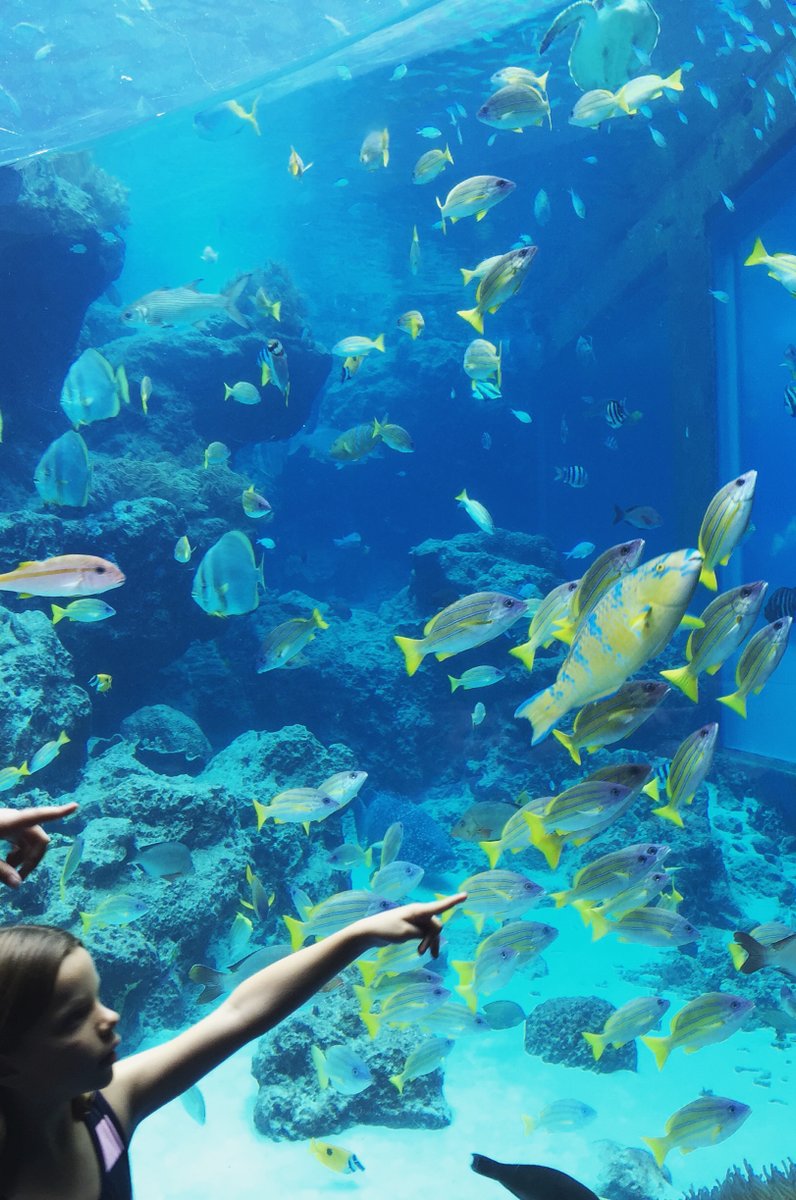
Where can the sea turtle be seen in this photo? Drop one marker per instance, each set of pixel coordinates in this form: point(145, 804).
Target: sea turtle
point(613, 41)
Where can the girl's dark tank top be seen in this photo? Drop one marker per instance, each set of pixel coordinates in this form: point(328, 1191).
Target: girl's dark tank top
point(111, 1148)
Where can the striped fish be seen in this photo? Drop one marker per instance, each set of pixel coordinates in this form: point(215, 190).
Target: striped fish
point(781, 603)
point(655, 927)
point(691, 763)
point(554, 612)
point(574, 477)
point(333, 914)
point(186, 305)
point(604, 571)
point(758, 662)
point(724, 524)
point(612, 873)
point(708, 1019)
point(704, 1122)
point(627, 1023)
point(527, 938)
point(424, 1059)
point(610, 720)
point(724, 625)
point(468, 622)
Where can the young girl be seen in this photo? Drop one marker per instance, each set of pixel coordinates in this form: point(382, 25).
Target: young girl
point(68, 1109)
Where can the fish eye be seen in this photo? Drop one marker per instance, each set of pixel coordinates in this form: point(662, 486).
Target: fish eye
point(735, 1004)
point(508, 602)
point(740, 482)
point(745, 591)
point(660, 568)
point(100, 570)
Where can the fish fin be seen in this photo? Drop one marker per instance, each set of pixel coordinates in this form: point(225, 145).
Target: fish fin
point(493, 851)
point(756, 953)
point(641, 619)
point(440, 206)
point(479, 216)
point(411, 648)
point(600, 925)
point(473, 316)
point(669, 813)
point(597, 1043)
point(708, 577)
point(466, 275)
point(758, 254)
point(674, 82)
point(712, 670)
point(528, 1124)
point(542, 711)
point(455, 683)
point(232, 296)
point(296, 930)
point(318, 619)
point(369, 970)
point(262, 813)
point(525, 653)
point(682, 678)
point(652, 790)
point(736, 701)
point(659, 1148)
point(689, 622)
point(560, 898)
point(465, 971)
point(398, 1080)
point(319, 1062)
point(565, 631)
point(58, 613)
point(567, 741)
point(660, 1047)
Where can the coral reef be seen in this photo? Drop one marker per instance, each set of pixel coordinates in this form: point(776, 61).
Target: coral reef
point(553, 1033)
point(626, 1173)
point(290, 1102)
point(744, 1183)
point(442, 571)
point(166, 740)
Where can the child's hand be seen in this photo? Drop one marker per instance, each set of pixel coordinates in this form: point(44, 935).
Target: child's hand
point(411, 921)
point(21, 827)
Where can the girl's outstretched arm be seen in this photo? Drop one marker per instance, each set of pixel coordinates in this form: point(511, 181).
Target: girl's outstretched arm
point(146, 1081)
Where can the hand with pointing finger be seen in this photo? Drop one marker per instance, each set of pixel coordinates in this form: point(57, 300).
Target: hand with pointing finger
point(22, 828)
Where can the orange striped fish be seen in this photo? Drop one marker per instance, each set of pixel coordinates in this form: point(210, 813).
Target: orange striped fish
point(65, 575)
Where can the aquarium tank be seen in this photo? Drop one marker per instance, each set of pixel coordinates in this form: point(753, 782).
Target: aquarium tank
point(422, 378)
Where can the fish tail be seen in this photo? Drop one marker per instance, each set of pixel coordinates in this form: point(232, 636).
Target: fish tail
point(378, 343)
point(561, 898)
point(462, 496)
point(447, 154)
point(659, 1148)
point(318, 619)
point(86, 921)
point(371, 1021)
point(526, 653)
point(296, 929)
point(251, 117)
point(758, 254)
point(493, 851)
point(455, 683)
point(369, 971)
point(398, 1080)
point(58, 613)
point(619, 514)
point(600, 925)
point(466, 972)
point(652, 790)
point(227, 391)
point(685, 680)
point(660, 1047)
point(674, 82)
point(548, 844)
point(708, 578)
point(412, 650)
point(528, 1124)
point(567, 741)
point(442, 214)
point(756, 954)
point(585, 911)
point(234, 294)
point(736, 701)
point(262, 813)
point(542, 711)
point(466, 275)
point(319, 1062)
point(597, 1043)
point(669, 813)
point(473, 316)
point(62, 738)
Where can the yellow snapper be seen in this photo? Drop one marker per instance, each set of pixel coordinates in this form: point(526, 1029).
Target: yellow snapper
point(562, 1116)
point(781, 267)
point(630, 624)
point(357, 347)
point(502, 281)
point(243, 392)
point(341, 1067)
point(394, 436)
point(296, 806)
point(355, 444)
point(704, 1122)
point(255, 505)
point(513, 76)
point(225, 119)
point(655, 927)
point(640, 91)
point(63, 474)
point(627, 1023)
point(47, 753)
point(183, 550)
point(334, 913)
point(474, 197)
point(336, 1158)
point(515, 107)
point(479, 272)
point(268, 308)
point(476, 677)
point(611, 874)
point(552, 612)
point(486, 974)
point(760, 659)
point(725, 623)
point(288, 639)
point(691, 763)
point(227, 579)
point(724, 524)
point(468, 622)
point(72, 861)
point(424, 1059)
point(603, 572)
point(116, 910)
point(92, 390)
point(411, 322)
point(430, 164)
point(375, 150)
point(216, 454)
point(613, 718)
point(595, 107)
point(11, 776)
point(483, 360)
point(296, 165)
point(708, 1019)
point(476, 511)
point(515, 834)
point(85, 612)
point(186, 305)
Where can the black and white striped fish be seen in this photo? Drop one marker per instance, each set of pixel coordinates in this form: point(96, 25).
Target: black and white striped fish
point(790, 399)
point(616, 414)
point(781, 603)
point(576, 477)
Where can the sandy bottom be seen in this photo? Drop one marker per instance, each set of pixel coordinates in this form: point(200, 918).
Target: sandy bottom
point(490, 1083)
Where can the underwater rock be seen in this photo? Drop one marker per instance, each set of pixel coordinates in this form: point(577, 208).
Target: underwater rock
point(38, 697)
point(425, 842)
point(292, 1105)
point(166, 740)
point(628, 1173)
point(553, 1033)
point(442, 571)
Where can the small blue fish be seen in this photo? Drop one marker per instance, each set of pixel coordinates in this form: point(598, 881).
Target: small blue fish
point(430, 131)
point(722, 297)
point(657, 137)
point(399, 72)
point(578, 205)
point(591, 159)
point(707, 93)
point(728, 204)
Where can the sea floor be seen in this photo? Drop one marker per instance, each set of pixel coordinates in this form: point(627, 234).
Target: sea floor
point(490, 1082)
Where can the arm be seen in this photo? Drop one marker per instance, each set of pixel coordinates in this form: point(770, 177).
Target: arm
point(146, 1081)
point(21, 827)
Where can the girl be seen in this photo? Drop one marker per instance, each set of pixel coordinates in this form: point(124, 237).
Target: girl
point(68, 1109)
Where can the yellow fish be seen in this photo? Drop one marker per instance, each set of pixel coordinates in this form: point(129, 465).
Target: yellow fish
point(336, 1158)
point(296, 165)
point(375, 150)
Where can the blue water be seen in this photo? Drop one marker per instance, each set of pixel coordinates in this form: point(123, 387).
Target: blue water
point(630, 281)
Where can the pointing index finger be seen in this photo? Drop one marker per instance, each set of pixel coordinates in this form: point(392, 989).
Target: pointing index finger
point(22, 818)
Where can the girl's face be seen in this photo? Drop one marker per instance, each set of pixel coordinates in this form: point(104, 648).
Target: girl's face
point(71, 1049)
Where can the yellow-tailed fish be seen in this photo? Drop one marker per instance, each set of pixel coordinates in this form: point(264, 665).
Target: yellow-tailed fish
point(554, 611)
point(630, 624)
point(424, 1059)
point(394, 436)
point(594, 107)
point(406, 1005)
point(476, 677)
point(358, 346)
point(515, 834)
point(334, 913)
point(255, 505)
point(468, 622)
point(243, 392)
point(430, 164)
point(374, 152)
point(640, 91)
point(474, 197)
point(516, 106)
point(760, 659)
point(296, 165)
point(478, 272)
point(691, 763)
point(572, 811)
point(411, 322)
point(562, 1116)
point(704, 1122)
point(296, 806)
point(216, 455)
point(72, 861)
point(781, 267)
point(288, 639)
point(603, 572)
point(269, 308)
point(612, 874)
point(507, 76)
point(183, 550)
point(724, 625)
point(46, 753)
point(490, 972)
point(354, 444)
point(656, 927)
point(85, 612)
point(708, 1019)
point(483, 360)
point(225, 119)
point(336, 1158)
point(603, 722)
point(343, 1068)
point(477, 512)
point(391, 843)
point(116, 910)
point(724, 524)
point(627, 1023)
point(499, 284)
point(499, 895)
